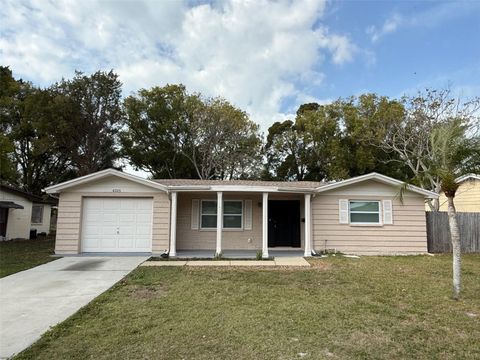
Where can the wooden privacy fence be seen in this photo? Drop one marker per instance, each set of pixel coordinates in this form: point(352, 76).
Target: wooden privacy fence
point(438, 232)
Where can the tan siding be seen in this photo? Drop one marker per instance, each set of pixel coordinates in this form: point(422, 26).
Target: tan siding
point(67, 239)
point(407, 234)
point(161, 223)
point(70, 214)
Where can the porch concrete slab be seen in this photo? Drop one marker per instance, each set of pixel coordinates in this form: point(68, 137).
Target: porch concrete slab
point(165, 263)
point(208, 263)
point(252, 263)
point(291, 261)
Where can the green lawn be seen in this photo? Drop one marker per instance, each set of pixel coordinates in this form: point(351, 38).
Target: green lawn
point(19, 255)
point(367, 308)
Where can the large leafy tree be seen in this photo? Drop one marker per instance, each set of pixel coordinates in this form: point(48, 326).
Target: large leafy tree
point(334, 141)
point(287, 153)
point(155, 130)
point(363, 120)
point(172, 133)
point(28, 160)
point(85, 116)
point(8, 90)
point(223, 142)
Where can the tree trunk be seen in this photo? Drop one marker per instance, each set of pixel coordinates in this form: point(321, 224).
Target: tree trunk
point(456, 249)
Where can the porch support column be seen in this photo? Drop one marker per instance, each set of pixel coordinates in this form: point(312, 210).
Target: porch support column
point(219, 222)
point(265, 226)
point(173, 226)
point(308, 225)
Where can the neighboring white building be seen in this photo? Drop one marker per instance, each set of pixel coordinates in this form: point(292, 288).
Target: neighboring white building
point(21, 212)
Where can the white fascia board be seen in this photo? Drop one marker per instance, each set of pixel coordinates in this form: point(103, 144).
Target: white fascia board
point(99, 175)
point(238, 188)
point(467, 177)
point(189, 188)
point(244, 188)
point(296, 190)
point(378, 177)
point(224, 188)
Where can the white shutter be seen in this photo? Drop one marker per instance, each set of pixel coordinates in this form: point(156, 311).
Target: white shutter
point(343, 211)
point(248, 215)
point(195, 214)
point(387, 212)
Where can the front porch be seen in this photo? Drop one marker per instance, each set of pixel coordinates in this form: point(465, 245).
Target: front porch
point(239, 225)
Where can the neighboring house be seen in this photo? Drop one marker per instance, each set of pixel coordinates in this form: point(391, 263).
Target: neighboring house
point(467, 198)
point(21, 212)
point(110, 211)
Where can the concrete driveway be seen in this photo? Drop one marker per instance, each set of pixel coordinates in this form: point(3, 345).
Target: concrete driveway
point(32, 301)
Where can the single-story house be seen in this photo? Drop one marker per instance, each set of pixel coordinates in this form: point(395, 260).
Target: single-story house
point(114, 212)
point(467, 198)
point(22, 212)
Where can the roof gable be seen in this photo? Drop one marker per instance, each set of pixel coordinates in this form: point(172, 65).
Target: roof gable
point(380, 178)
point(102, 175)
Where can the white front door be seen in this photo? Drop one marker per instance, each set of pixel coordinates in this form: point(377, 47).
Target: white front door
point(117, 225)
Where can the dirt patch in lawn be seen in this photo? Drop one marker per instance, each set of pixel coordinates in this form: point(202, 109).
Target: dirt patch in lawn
point(320, 265)
point(145, 293)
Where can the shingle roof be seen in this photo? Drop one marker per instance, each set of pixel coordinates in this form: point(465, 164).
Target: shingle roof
point(283, 184)
point(28, 196)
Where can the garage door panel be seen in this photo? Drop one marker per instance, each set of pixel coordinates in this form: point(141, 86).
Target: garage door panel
point(126, 219)
point(126, 230)
point(109, 230)
point(126, 242)
point(91, 230)
point(91, 217)
point(108, 242)
point(117, 225)
point(144, 218)
point(144, 206)
point(142, 243)
point(91, 241)
point(109, 218)
point(144, 230)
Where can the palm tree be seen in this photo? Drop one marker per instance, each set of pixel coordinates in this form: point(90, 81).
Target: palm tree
point(454, 148)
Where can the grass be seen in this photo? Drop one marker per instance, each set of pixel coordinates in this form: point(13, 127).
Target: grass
point(19, 255)
point(341, 308)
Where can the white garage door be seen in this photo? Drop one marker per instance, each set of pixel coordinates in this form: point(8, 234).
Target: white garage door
point(117, 225)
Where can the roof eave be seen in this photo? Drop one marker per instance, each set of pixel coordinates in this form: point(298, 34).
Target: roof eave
point(55, 189)
point(382, 178)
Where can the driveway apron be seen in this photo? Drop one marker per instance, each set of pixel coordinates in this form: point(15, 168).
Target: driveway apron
point(34, 300)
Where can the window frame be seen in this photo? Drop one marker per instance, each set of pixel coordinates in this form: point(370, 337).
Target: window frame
point(42, 207)
point(241, 215)
point(201, 214)
point(379, 212)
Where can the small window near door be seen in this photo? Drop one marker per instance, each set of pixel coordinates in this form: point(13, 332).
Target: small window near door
point(37, 214)
point(364, 212)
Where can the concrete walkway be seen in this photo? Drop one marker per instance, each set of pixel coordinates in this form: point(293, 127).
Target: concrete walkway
point(278, 261)
point(32, 301)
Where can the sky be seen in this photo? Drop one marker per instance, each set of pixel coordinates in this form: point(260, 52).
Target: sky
point(265, 57)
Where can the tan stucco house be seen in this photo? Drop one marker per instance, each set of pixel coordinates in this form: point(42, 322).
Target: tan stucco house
point(467, 198)
point(111, 211)
point(21, 212)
